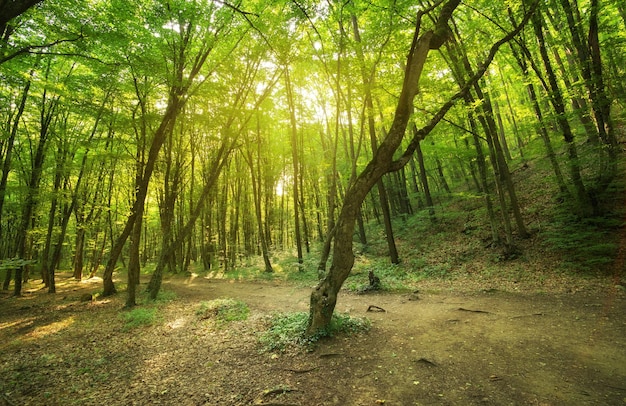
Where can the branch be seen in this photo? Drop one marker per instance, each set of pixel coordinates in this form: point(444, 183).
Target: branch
point(237, 9)
point(424, 131)
point(29, 48)
point(452, 123)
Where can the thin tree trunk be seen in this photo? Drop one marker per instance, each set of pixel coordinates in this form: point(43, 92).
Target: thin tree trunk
point(369, 105)
point(6, 164)
point(513, 121)
point(216, 169)
point(556, 97)
point(523, 60)
point(424, 179)
point(79, 254)
point(501, 133)
point(296, 166)
point(52, 217)
point(482, 171)
point(505, 173)
point(255, 173)
point(47, 115)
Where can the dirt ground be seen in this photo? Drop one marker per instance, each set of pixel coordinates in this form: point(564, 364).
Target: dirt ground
point(449, 344)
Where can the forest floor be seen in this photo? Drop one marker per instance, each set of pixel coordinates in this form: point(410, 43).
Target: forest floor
point(455, 342)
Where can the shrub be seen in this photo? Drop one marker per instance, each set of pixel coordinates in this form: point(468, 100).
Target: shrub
point(288, 329)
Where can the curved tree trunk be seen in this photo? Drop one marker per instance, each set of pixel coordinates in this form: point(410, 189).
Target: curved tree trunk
point(324, 296)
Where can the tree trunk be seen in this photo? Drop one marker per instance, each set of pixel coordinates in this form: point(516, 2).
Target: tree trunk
point(556, 97)
point(48, 113)
point(369, 105)
point(523, 59)
point(79, 253)
point(255, 173)
point(324, 297)
point(296, 166)
point(424, 179)
point(442, 178)
point(6, 164)
point(501, 132)
point(504, 172)
point(482, 171)
point(141, 190)
point(331, 199)
point(134, 262)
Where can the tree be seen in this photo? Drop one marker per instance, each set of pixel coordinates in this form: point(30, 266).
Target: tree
point(324, 297)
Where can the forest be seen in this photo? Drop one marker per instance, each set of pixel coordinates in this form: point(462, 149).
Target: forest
point(371, 149)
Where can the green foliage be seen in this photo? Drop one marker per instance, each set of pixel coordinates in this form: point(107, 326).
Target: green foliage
point(288, 330)
point(286, 268)
point(139, 317)
point(587, 244)
point(249, 273)
point(14, 263)
point(163, 297)
point(396, 277)
point(224, 310)
point(305, 277)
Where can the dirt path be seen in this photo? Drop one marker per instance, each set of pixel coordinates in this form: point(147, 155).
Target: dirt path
point(434, 348)
point(441, 348)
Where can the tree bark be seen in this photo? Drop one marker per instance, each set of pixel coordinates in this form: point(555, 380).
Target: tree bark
point(141, 191)
point(10, 10)
point(47, 115)
point(255, 174)
point(216, 168)
point(369, 105)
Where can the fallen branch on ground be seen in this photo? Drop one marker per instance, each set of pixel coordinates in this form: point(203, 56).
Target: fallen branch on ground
point(472, 311)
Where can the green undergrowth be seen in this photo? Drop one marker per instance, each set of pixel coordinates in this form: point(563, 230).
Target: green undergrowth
point(287, 330)
point(223, 310)
point(587, 245)
point(148, 312)
point(457, 241)
point(139, 317)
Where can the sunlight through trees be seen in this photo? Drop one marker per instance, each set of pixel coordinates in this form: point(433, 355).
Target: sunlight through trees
point(145, 137)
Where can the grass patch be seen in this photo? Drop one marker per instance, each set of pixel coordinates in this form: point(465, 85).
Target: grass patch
point(139, 317)
point(288, 330)
point(394, 278)
point(223, 310)
point(163, 297)
point(285, 265)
